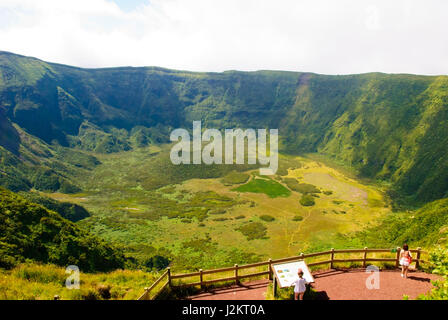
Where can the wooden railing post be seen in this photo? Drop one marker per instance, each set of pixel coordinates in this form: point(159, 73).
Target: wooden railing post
point(201, 278)
point(146, 297)
point(169, 276)
point(274, 287)
point(332, 258)
point(237, 281)
point(364, 259)
point(397, 260)
point(417, 263)
point(270, 268)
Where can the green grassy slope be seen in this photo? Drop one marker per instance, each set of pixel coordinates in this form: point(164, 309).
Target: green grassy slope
point(30, 231)
point(69, 211)
point(33, 281)
point(426, 227)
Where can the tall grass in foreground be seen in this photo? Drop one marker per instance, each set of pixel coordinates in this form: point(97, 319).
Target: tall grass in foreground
point(43, 282)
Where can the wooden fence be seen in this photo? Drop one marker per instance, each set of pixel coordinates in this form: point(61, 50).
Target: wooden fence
point(166, 279)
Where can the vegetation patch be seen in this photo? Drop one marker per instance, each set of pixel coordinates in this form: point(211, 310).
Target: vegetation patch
point(303, 188)
point(193, 206)
point(204, 253)
point(253, 230)
point(217, 211)
point(221, 219)
point(33, 281)
point(292, 183)
point(424, 227)
point(375, 203)
point(157, 263)
point(307, 200)
point(69, 211)
point(30, 231)
point(297, 218)
point(306, 188)
point(286, 163)
point(267, 218)
point(269, 187)
point(235, 177)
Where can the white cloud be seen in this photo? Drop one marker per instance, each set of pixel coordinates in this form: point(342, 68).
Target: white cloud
point(324, 36)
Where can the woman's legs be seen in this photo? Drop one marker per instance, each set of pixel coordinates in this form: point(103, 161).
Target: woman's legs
point(296, 296)
point(301, 295)
point(406, 269)
point(402, 271)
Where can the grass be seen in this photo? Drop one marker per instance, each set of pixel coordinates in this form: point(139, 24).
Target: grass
point(43, 282)
point(145, 221)
point(269, 187)
point(235, 178)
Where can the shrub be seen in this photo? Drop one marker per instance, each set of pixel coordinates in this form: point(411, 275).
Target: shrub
point(221, 219)
point(307, 201)
point(292, 183)
point(104, 291)
point(267, 218)
point(217, 211)
point(439, 262)
point(303, 188)
point(157, 262)
point(46, 180)
point(297, 218)
point(253, 230)
point(306, 188)
point(67, 187)
point(90, 294)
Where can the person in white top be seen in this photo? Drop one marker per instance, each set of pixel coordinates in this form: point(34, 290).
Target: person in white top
point(405, 260)
point(299, 286)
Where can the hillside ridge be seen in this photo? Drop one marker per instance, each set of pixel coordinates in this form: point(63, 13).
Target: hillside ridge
point(387, 127)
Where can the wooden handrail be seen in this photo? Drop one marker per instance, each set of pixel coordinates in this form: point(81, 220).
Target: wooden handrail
point(238, 275)
point(148, 290)
point(185, 275)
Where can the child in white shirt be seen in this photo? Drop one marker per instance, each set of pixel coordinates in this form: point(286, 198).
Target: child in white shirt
point(299, 286)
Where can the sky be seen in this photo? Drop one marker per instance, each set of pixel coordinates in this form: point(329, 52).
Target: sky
point(322, 36)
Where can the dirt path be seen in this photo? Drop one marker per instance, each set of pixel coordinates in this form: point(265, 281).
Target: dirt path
point(255, 290)
point(338, 285)
point(351, 285)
